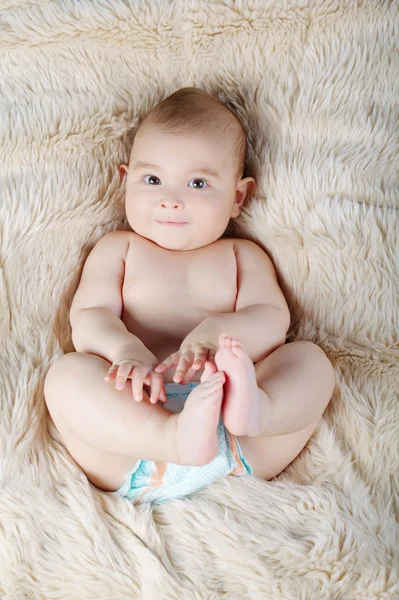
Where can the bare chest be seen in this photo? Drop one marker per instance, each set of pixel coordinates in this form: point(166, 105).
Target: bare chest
point(166, 293)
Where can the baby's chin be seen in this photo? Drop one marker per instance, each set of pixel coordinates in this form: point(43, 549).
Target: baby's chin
point(175, 245)
point(173, 239)
point(170, 242)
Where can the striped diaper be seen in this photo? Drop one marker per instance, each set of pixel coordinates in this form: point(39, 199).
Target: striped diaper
point(157, 482)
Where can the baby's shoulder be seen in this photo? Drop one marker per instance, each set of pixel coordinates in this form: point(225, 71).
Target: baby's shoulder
point(251, 255)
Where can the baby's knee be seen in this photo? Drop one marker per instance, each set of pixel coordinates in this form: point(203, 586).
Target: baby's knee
point(315, 357)
point(318, 362)
point(325, 366)
point(63, 365)
point(67, 368)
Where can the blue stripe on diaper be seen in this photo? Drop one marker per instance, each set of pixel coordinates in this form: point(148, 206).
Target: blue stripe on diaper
point(176, 389)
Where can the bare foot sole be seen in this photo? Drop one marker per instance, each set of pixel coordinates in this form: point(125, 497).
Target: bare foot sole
point(241, 405)
point(196, 426)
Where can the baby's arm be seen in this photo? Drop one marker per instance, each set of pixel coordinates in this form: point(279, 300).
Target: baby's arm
point(97, 327)
point(96, 309)
point(262, 318)
point(99, 331)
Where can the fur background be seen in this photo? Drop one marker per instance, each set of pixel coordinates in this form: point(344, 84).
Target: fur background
point(317, 86)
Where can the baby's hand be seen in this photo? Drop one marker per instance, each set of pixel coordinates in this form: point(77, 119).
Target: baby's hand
point(189, 359)
point(140, 373)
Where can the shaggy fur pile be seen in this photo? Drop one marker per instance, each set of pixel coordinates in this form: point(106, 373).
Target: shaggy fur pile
point(316, 86)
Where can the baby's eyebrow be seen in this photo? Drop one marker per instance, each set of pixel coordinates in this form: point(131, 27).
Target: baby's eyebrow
point(206, 171)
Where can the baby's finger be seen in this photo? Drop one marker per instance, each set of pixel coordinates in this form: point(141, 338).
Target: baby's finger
point(156, 387)
point(187, 377)
point(168, 363)
point(200, 357)
point(137, 383)
point(211, 356)
point(109, 376)
point(111, 373)
point(162, 394)
point(163, 397)
point(122, 375)
point(182, 367)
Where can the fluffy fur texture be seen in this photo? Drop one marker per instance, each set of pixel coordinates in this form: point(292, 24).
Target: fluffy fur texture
point(316, 85)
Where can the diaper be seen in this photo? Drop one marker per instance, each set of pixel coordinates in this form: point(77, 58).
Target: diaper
point(157, 482)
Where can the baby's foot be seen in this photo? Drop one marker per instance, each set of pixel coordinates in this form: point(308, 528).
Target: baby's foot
point(242, 403)
point(196, 426)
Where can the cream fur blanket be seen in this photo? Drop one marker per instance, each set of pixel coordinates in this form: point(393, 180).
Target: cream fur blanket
point(316, 84)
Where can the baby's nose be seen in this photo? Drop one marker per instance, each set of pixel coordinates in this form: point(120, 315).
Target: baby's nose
point(174, 202)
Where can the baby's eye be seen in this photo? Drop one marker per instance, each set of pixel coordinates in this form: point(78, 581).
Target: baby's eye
point(151, 177)
point(201, 181)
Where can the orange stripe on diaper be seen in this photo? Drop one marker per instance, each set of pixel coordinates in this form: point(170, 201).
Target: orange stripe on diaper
point(160, 470)
point(239, 469)
point(156, 479)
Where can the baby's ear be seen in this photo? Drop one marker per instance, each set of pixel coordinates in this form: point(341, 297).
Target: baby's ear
point(123, 169)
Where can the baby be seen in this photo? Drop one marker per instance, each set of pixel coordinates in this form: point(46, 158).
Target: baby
point(175, 292)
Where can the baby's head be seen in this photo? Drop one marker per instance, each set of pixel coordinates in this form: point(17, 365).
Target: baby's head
point(186, 165)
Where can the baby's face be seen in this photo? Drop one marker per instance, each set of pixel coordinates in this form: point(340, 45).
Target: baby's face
point(187, 179)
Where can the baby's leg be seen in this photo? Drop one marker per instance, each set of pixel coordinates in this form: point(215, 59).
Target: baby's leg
point(275, 407)
point(106, 431)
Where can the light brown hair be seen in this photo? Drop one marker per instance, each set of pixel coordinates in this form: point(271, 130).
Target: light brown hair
point(192, 110)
